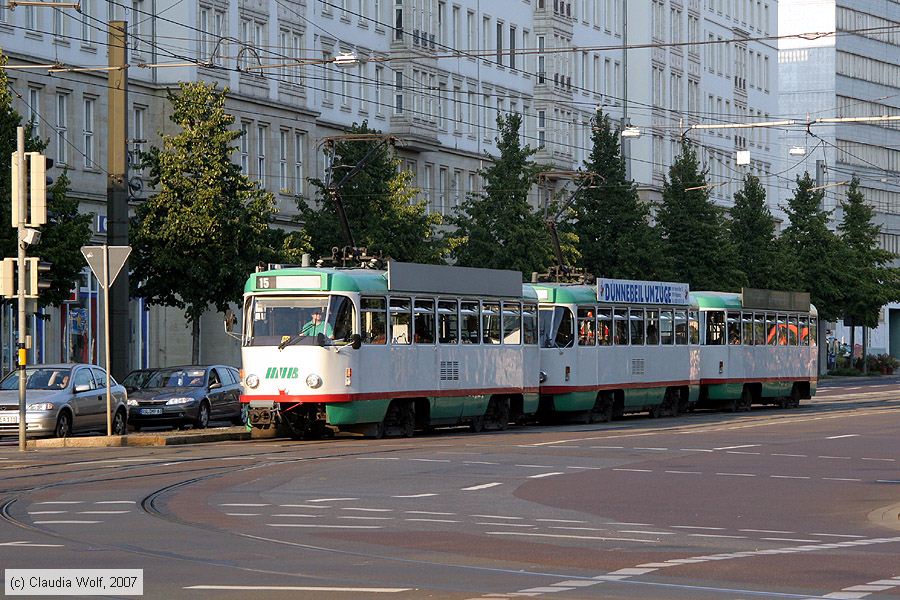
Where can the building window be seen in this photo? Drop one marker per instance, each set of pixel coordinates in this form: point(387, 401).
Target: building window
point(442, 190)
point(245, 148)
point(89, 133)
point(363, 87)
point(284, 184)
point(398, 20)
point(137, 130)
point(62, 129)
point(299, 152)
point(398, 92)
point(379, 82)
point(87, 22)
point(499, 42)
point(261, 132)
point(542, 132)
point(512, 47)
point(34, 108)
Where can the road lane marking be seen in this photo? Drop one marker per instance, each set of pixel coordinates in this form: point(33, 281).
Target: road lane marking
point(653, 449)
point(368, 509)
point(718, 535)
point(837, 457)
point(535, 466)
point(788, 477)
point(296, 588)
point(437, 460)
point(298, 515)
point(507, 524)
point(432, 520)
point(429, 512)
point(104, 512)
point(377, 458)
point(483, 486)
point(635, 470)
point(367, 518)
point(740, 452)
point(697, 527)
point(558, 521)
point(695, 450)
point(778, 539)
point(572, 537)
point(840, 437)
point(881, 459)
point(333, 500)
point(685, 472)
point(244, 514)
point(479, 462)
point(324, 526)
point(542, 475)
point(48, 512)
point(632, 524)
point(115, 502)
point(737, 474)
point(773, 531)
point(647, 532)
point(738, 447)
point(607, 447)
point(577, 528)
point(414, 496)
point(65, 522)
point(838, 535)
point(496, 517)
point(840, 479)
point(245, 505)
point(31, 545)
point(791, 455)
point(62, 502)
point(302, 506)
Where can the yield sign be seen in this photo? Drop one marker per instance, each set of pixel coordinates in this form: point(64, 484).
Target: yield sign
point(99, 257)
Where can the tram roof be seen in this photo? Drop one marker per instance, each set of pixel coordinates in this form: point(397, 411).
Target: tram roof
point(735, 301)
point(365, 281)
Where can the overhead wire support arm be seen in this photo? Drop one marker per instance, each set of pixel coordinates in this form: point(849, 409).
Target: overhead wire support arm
point(561, 270)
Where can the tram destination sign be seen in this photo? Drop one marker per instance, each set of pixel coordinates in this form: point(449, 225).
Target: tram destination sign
point(626, 291)
point(442, 279)
point(775, 299)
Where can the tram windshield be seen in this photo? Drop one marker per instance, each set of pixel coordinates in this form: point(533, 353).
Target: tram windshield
point(280, 321)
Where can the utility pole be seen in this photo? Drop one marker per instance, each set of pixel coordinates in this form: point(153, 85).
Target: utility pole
point(20, 264)
point(823, 347)
point(117, 195)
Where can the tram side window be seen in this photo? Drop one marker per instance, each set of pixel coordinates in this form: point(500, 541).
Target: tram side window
point(374, 320)
point(401, 321)
point(341, 316)
point(694, 326)
point(666, 327)
point(759, 329)
point(771, 330)
point(652, 327)
point(747, 328)
point(512, 323)
point(529, 324)
point(794, 331)
point(470, 319)
point(490, 323)
point(733, 321)
point(586, 327)
point(636, 320)
point(620, 322)
point(715, 327)
point(424, 325)
point(813, 331)
point(804, 330)
point(604, 327)
point(448, 322)
point(681, 327)
point(782, 330)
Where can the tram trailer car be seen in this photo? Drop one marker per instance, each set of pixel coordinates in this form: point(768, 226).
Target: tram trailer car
point(412, 347)
point(617, 347)
point(758, 347)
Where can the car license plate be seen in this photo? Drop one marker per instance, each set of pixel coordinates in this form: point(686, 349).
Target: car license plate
point(151, 411)
point(7, 419)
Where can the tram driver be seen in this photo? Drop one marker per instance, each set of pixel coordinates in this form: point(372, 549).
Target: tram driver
point(317, 325)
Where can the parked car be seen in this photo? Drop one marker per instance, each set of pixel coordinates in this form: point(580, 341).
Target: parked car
point(185, 395)
point(137, 379)
point(61, 399)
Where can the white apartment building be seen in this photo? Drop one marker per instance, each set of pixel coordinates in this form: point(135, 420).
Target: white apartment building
point(855, 73)
point(434, 73)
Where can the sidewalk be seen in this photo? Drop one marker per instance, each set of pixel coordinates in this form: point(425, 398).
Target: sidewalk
point(153, 438)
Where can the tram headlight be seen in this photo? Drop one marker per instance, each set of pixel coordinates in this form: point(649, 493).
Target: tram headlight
point(542, 377)
point(252, 381)
point(313, 380)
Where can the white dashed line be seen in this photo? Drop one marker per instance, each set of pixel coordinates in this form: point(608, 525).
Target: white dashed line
point(333, 499)
point(496, 517)
point(839, 437)
point(542, 475)
point(788, 477)
point(880, 459)
point(62, 502)
point(306, 525)
point(432, 520)
point(772, 531)
point(647, 532)
point(48, 512)
point(685, 472)
point(718, 535)
point(840, 479)
point(572, 537)
point(483, 486)
point(777, 539)
point(635, 470)
point(429, 512)
point(437, 460)
point(507, 524)
point(652, 449)
point(737, 447)
point(104, 512)
point(697, 527)
point(296, 515)
point(368, 509)
point(479, 462)
point(245, 515)
point(535, 466)
point(66, 522)
point(736, 474)
point(115, 502)
point(695, 450)
point(791, 455)
point(838, 535)
point(248, 505)
point(558, 521)
point(377, 458)
point(302, 506)
point(836, 457)
point(368, 518)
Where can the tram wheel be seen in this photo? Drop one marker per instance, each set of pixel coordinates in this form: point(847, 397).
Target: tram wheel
point(746, 400)
point(602, 411)
point(477, 424)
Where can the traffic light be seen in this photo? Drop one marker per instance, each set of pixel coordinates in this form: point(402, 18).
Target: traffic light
point(36, 182)
point(36, 273)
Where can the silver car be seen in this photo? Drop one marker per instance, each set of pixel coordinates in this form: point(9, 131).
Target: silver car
point(60, 400)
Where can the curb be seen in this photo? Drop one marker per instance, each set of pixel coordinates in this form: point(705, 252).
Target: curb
point(118, 441)
point(887, 516)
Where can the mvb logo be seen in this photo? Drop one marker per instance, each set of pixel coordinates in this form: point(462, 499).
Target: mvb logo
point(282, 373)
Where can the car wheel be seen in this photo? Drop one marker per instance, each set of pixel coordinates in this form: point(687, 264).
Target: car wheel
point(135, 427)
point(118, 423)
point(241, 419)
point(202, 419)
point(63, 425)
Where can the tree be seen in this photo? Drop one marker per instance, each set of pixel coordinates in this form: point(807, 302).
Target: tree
point(66, 230)
point(870, 280)
point(378, 203)
point(753, 236)
point(497, 228)
point(615, 237)
point(694, 229)
point(816, 259)
point(196, 240)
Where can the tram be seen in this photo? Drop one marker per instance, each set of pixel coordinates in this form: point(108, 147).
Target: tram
point(412, 347)
point(618, 347)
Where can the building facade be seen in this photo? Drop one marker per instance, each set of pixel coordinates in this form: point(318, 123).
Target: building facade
point(844, 77)
point(434, 73)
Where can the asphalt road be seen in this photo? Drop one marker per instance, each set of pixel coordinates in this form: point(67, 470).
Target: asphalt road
point(774, 503)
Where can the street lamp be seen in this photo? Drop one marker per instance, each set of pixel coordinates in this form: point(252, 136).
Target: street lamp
point(631, 132)
point(797, 151)
point(346, 59)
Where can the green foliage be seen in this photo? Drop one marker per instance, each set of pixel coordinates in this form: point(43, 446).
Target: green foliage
point(196, 240)
point(67, 229)
point(815, 256)
point(615, 237)
point(870, 281)
point(752, 232)
point(378, 201)
point(694, 229)
point(497, 228)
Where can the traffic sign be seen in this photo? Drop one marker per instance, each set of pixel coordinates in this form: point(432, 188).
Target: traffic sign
point(98, 257)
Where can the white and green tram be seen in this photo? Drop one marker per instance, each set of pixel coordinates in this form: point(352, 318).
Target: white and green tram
point(757, 347)
point(412, 347)
point(617, 347)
